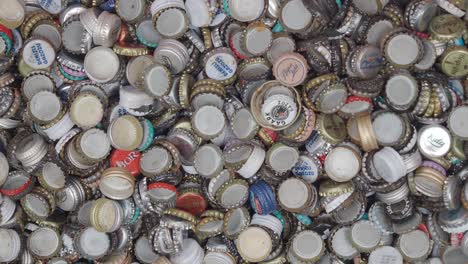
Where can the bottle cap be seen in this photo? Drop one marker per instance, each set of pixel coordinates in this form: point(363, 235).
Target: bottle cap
point(290, 69)
point(303, 252)
point(389, 128)
point(171, 22)
point(52, 176)
point(365, 236)
point(281, 158)
point(94, 60)
point(385, 253)
point(456, 122)
point(434, 141)
point(44, 242)
point(49, 31)
point(254, 244)
point(173, 54)
point(86, 110)
point(454, 62)
point(342, 164)
point(135, 68)
point(294, 195)
point(92, 243)
point(44, 107)
point(38, 53)
point(155, 160)
point(389, 164)
point(12, 247)
point(280, 45)
point(256, 38)
point(12, 14)
point(414, 245)
point(403, 50)
point(401, 91)
point(198, 12)
point(341, 243)
point(246, 10)
point(295, 17)
point(220, 64)
point(157, 80)
point(130, 160)
point(208, 160)
point(208, 121)
point(130, 11)
point(125, 133)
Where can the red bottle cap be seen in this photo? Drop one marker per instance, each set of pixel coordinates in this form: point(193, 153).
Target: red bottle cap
point(192, 202)
point(129, 160)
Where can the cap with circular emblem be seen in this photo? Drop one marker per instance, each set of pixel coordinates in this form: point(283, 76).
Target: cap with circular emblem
point(125, 133)
point(130, 160)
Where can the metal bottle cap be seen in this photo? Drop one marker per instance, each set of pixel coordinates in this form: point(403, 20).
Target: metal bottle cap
point(385, 253)
point(290, 69)
point(434, 141)
point(208, 160)
point(294, 16)
point(254, 244)
point(38, 53)
point(44, 242)
point(45, 106)
point(198, 12)
point(457, 122)
point(125, 133)
point(97, 57)
point(342, 164)
point(130, 11)
point(246, 10)
point(12, 13)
